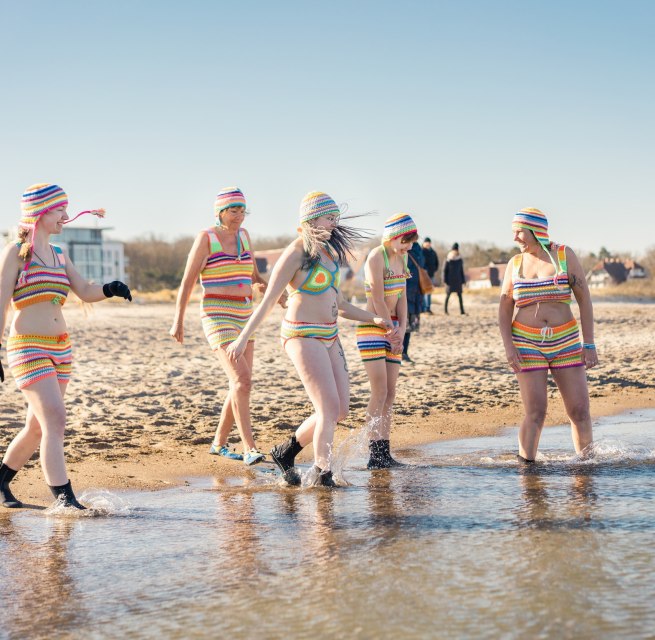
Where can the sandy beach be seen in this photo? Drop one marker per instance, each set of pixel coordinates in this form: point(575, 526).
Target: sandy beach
point(143, 409)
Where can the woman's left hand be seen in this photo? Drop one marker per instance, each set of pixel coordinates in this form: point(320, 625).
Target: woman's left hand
point(235, 349)
point(117, 288)
point(590, 358)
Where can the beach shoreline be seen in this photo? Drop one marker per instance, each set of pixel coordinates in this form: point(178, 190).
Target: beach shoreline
point(142, 409)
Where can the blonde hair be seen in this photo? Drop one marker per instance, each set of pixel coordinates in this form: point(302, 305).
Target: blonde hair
point(25, 247)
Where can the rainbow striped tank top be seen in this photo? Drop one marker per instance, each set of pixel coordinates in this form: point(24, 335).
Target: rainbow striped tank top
point(527, 291)
point(226, 270)
point(394, 285)
point(40, 283)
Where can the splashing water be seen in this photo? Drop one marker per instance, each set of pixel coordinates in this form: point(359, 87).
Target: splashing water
point(98, 503)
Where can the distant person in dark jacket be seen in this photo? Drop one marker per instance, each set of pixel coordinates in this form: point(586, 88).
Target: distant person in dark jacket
point(431, 260)
point(453, 276)
point(414, 296)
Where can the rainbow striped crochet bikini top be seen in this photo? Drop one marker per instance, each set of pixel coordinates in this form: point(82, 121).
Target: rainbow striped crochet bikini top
point(320, 278)
point(41, 283)
point(394, 285)
point(224, 269)
point(556, 288)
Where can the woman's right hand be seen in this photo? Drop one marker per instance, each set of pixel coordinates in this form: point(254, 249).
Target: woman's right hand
point(396, 339)
point(514, 359)
point(177, 331)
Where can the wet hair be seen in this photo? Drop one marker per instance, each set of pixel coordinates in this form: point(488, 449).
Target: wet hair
point(340, 245)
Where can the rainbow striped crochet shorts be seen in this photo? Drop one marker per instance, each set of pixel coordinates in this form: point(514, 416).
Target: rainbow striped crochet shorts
point(33, 358)
point(548, 347)
point(326, 333)
point(224, 317)
point(373, 343)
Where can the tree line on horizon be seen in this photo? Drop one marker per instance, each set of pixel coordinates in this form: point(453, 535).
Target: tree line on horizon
point(155, 264)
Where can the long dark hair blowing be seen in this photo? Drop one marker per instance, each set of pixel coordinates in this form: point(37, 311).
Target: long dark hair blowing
point(340, 245)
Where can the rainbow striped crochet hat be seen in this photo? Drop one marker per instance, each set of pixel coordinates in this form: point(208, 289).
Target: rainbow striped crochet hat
point(37, 200)
point(398, 225)
point(229, 197)
point(316, 204)
point(533, 220)
point(41, 198)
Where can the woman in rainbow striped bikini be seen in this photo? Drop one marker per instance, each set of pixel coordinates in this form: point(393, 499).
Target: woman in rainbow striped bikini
point(386, 274)
point(309, 266)
point(36, 277)
point(540, 333)
point(223, 258)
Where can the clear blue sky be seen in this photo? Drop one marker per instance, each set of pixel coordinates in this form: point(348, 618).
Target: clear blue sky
point(458, 112)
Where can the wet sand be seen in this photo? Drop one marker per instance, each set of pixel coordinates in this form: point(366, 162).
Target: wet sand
point(143, 409)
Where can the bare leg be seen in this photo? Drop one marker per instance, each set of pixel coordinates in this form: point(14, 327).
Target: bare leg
point(45, 400)
point(225, 422)
point(239, 374)
point(23, 446)
point(324, 375)
point(376, 370)
point(305, 432)
point(534, 393)
point(393, 370)
point(572, 384)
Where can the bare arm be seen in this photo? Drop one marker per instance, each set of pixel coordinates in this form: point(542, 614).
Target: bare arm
point(285, 268)
point(10, 267)
point(374, 273)
point(351, 312)
point(195, 263)
point(505, 316)
point(583, 298)
point(83, 289)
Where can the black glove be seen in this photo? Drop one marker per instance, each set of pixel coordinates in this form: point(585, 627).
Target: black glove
point(117, 288)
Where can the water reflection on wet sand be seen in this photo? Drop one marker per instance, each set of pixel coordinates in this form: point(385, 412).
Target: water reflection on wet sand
point(466, 545)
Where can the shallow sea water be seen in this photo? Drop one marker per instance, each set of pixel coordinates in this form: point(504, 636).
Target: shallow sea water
point(461, 544)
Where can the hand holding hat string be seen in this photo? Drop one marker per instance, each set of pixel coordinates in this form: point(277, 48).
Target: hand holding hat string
point(117, 288)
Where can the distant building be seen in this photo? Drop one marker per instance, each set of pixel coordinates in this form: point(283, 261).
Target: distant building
point(114, 262)
point(266, 260)
point(96, 258)
point(614, 271)
point(486, 277)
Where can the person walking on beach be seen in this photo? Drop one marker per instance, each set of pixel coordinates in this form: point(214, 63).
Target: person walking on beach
point(309, 266)
point(431, 262)
point(386, 274)
point(414, 297)
point(223, 258)
point(540, 333)
point(36, 277)
point(453, 277)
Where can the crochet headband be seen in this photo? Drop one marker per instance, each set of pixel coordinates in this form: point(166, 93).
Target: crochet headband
point(398, 225)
